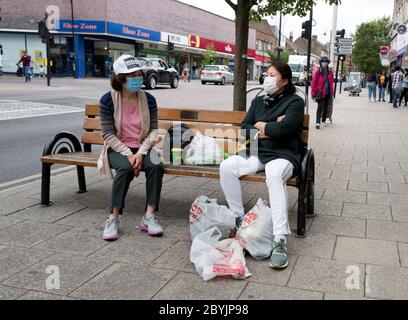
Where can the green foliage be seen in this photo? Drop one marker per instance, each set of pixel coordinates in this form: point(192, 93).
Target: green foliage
point(367, 41)
point(284, 56)
point(261, 8)
point(210, 56)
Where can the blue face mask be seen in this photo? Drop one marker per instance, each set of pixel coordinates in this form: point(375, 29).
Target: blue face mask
point(134, 84)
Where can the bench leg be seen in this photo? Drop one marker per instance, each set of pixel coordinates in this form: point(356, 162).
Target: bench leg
point(301, 216)
point(45, 184)
point(81, 179)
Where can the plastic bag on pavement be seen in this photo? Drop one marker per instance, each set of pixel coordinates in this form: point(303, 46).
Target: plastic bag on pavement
point(256, 232)
point(213, 258)
point(206, 213)
point(203, 150)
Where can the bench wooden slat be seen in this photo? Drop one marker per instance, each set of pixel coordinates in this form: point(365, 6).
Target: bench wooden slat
point(86, 159)
point(92, 124)
point(92, 110)
point(212, 116)
point(92, 137)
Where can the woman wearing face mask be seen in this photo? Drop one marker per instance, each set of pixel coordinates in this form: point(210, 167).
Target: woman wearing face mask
point(129, 124)
point(322, 89)
point(275, 121)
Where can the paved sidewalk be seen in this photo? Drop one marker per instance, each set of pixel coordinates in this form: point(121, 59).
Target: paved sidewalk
point(356, 248)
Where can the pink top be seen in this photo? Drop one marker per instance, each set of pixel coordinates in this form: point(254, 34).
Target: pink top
point(131, 125)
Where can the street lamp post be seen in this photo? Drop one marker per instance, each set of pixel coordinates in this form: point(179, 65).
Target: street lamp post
point(280, 27)
point(73, 38)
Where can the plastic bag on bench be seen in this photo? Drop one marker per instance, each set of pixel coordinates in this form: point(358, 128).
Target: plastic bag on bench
point(206, 213)
point(203, 150)
point(213, 258)
point(256, 231)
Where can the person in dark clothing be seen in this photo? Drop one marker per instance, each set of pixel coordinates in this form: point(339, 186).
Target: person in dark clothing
point(404, 93)
point(275, 122)
point(390, 84)
point(26, 60)
point(372, 85)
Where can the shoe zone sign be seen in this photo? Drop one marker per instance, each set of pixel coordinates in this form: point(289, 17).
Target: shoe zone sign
point(132, 32)
point(81, 26)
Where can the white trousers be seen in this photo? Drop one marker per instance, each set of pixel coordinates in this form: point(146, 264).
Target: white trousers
point(277, 174)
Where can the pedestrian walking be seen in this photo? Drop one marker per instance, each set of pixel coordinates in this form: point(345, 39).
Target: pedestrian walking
point(26, 60)
point(186, 72)
point(278, 118)
point(390, 84)
point(323, 89)
point(382, 86)
point(404, 93)
point(372, 85)
point(194, 68)
point(128, 117)
point(397, 78)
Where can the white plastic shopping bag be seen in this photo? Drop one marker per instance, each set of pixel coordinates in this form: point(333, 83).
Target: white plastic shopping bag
point(256, 231)
point(213, 258)
point(203, 150)
point(206, 213)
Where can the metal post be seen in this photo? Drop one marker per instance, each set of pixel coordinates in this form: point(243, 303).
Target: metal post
point(280, 32)
point(341, 75)
point(168, 49)
point(48, 54)
point(73, 39)
point(336, 78)
point(333, 33)
point(309, 51)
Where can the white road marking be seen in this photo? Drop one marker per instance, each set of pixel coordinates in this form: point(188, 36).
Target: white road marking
point(10, 110)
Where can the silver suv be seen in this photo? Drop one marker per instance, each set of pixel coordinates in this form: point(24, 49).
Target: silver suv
point(217, 74)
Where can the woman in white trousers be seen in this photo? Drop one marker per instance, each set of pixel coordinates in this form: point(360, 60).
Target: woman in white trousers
point(277, 118)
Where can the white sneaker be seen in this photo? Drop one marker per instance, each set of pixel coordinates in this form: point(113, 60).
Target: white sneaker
point(317, 125)
point(324, 124)
point(111, 231)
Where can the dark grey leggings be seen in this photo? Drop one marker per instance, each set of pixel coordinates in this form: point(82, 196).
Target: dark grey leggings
point(322, 106)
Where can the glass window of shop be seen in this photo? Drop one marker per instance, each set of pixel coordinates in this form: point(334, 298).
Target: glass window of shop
point(100, 59)
point(59, 60)
point(117, 49)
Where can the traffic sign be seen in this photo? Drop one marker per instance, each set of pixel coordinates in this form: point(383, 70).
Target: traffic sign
point(344, 42)
point(343, 50)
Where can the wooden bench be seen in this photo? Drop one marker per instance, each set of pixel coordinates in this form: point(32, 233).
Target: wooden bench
point(65, 148)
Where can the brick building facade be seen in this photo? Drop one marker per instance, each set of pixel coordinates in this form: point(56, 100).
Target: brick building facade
point(104, 29)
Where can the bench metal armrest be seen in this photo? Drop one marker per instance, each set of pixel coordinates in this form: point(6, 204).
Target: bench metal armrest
point(63, 142)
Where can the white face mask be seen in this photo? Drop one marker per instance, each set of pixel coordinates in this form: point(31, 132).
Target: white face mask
point(325, 64)
point(270, 85)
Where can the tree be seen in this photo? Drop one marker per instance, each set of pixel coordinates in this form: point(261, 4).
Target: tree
point(367, 41)
point(210, 56)
point(284, 55)
point(246, 10)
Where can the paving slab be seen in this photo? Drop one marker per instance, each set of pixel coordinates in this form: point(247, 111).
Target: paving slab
point(13, 204)
point(383, 230)
point(75, 241)
point(325, 276)
point(334, 194)
point(367, 211)
point(50, 214)
point(399, 213)
point(317, 245)
point(376, 252)
point(73, 271)
point(331, 208)
point(387, 282)
point(398, 188)
point(35, 295)
point(262, 273)
point(339, 226)
point(257, 291)
point(372, 186)
point(8, 221)
point(189, 286)
point(34, 232)
point(177, 257)
point(387, 198)
point(124, 282)
point(139, 249)
point(14, 260)
point(10, 293)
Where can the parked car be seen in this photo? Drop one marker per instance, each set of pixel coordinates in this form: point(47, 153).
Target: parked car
point(262, 77)
point(217, 74)
point(156, 71)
